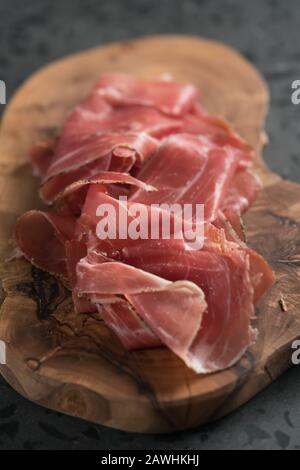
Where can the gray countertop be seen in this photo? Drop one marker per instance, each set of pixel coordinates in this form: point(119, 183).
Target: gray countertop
point(33, 33)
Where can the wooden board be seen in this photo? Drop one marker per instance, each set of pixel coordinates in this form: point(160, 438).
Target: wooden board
point(72, 363)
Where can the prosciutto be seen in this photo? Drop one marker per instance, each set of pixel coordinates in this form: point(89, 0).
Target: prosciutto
point(169, 97)
point(140, 148)
point(115, 152)
point(41, 238)
point(163, 305)
point(74, 195)
point(188, 169)
point(216, 269)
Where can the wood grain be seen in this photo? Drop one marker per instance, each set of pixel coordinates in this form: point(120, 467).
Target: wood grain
point(72, 363)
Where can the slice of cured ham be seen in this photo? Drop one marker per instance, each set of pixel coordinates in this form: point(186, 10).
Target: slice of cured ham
point(127, 325)
point(163, 305)
point(41, 237)
point(189, 170)
point(115, 152)
point(74, 195)
point(217, 269)
point(242, 193)
point(164, 94)
point(200, 122)
point(167, 307)
point(96, 115)
point(261, 274)
point(128, 145)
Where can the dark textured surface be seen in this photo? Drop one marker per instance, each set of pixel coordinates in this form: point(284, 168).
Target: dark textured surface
point(266, 32)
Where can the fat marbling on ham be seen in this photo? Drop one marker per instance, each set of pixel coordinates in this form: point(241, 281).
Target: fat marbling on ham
point(152, 143)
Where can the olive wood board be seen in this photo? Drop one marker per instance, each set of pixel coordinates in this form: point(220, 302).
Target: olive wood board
point(72, 362)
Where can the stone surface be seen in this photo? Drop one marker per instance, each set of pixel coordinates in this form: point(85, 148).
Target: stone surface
point(34, 33)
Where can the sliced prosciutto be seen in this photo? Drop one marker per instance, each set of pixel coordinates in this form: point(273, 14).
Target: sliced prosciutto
point(242, 193)
point(131, 148)
point(74, 195)
point(189, 170)
point(41, 237)
point(217, 269)
point(128, 326)
point(163, 94)
point(163, 305)
point(96, 114)
point(115, 152)
point(212, 339)
point(99, 122)
point(261, 274)
point(200, 122)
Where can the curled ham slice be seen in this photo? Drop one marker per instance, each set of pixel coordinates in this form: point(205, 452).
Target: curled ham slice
point(164, 306)
point(73, 196)
point(165, 95)
point(41, 237)
point(116, 152)
point(98, 146)
point(217, 275)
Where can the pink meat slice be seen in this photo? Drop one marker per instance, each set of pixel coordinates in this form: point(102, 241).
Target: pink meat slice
point(127, 214)
point(217, 270)
point(261, 274)
point(214, 239)
point(242, 193)
point(164, 306)
point(127, 325)
point(218, 337)
point(225, 281)
point(190, 170)
point(41, 155)
point(76, 249)
point(96, 115)
point(167, 96)
point(41, 237)
point(74, 195)
point(200, 122)
point(116, 152)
